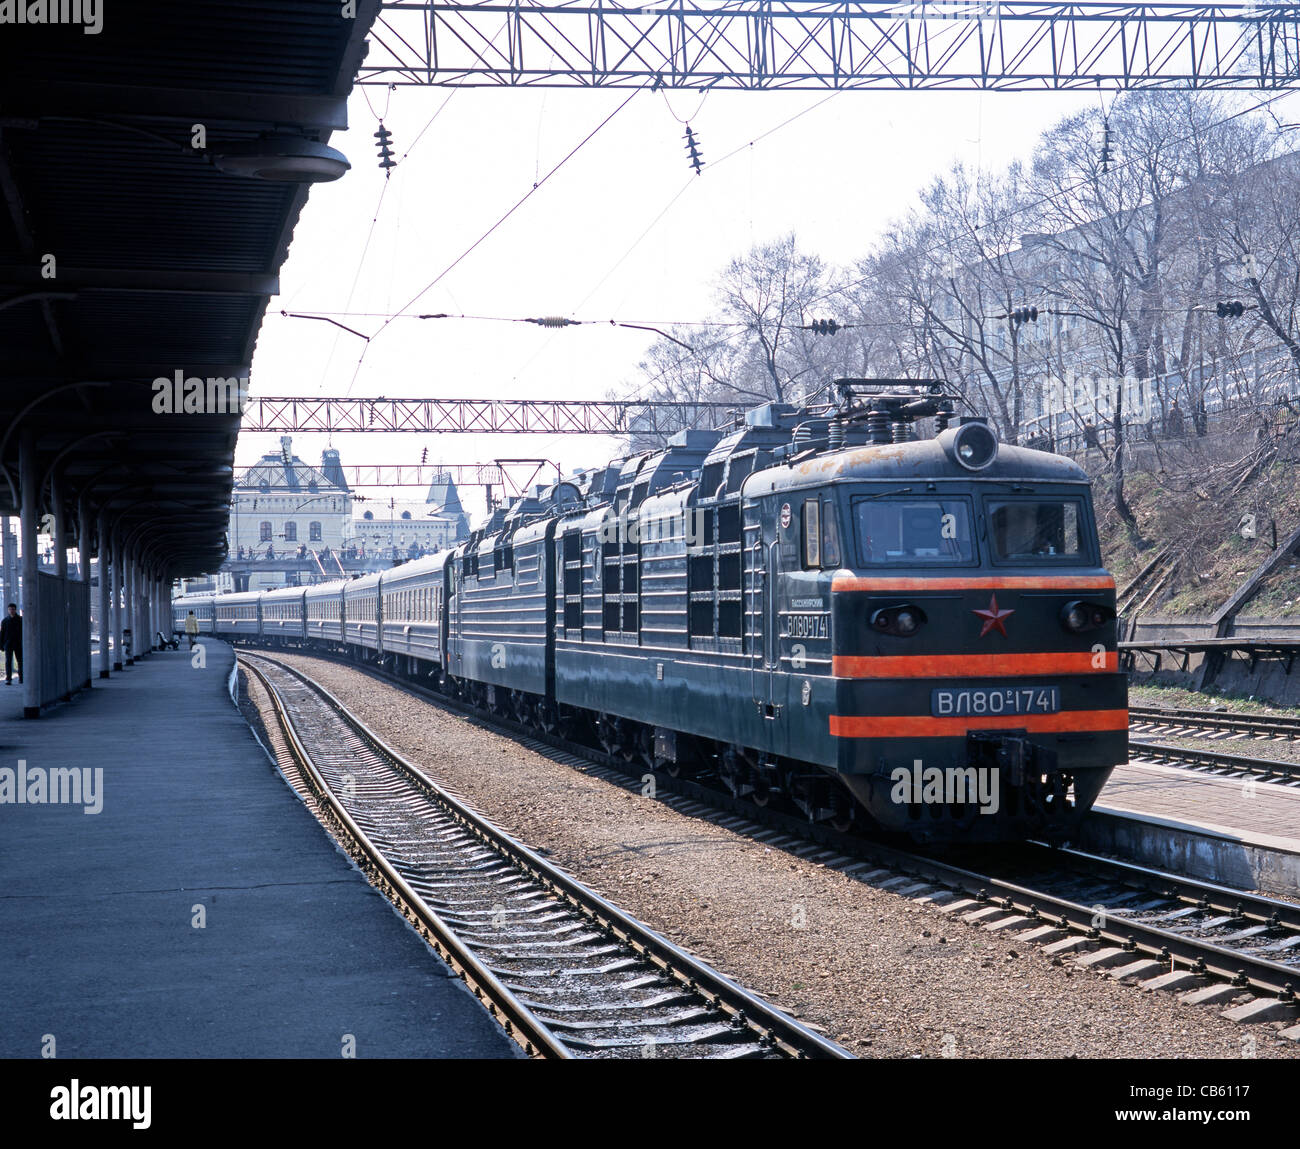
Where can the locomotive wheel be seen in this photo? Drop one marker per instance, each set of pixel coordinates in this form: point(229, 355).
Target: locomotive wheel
point(514, 706)
point(645, 745)
point(842, 819)
point(615, 736)
point(566, 722)
point(607, 733)
point(527, 709)
point(736, 773)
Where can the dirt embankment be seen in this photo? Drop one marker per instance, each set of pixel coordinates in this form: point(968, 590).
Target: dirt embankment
point(1218, 504)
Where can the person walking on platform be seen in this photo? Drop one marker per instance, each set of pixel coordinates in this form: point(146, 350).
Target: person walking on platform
point(11, 639)
point(191, 628)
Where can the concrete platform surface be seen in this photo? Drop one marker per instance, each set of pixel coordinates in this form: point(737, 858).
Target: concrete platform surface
point(1262, 812)
point(1227, 830)
point(202, 911)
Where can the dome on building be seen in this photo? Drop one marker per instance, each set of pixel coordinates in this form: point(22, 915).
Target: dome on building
point(283, 471)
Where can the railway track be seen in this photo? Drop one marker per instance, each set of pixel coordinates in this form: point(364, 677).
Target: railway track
point(1216, 762)
point(1198, 724)
point(1191, 722)
point(1134, 922)
point(1172, 723)
point(567, 973)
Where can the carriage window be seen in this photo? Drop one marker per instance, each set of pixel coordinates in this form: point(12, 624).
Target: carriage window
point(913, 532)
point(1037, 529)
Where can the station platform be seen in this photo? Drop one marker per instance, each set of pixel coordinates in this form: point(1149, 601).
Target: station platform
point(1265, 811)
point(100, 937)
point(1224, 828)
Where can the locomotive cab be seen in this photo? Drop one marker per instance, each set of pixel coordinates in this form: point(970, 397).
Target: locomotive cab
point(974, 684)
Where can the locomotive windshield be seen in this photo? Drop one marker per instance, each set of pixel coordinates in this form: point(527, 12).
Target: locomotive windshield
point(914, 531)
point(1036, 529)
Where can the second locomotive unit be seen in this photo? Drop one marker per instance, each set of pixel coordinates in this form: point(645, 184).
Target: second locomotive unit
point(816, 606)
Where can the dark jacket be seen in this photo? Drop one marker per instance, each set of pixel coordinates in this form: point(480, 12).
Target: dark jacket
point(11, 633)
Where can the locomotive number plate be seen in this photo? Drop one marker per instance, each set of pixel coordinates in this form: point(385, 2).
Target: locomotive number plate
point(951, 702)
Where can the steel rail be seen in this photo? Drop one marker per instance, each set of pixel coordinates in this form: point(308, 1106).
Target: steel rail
point(789, 1035)
point(1204, 957)
point(1268, 767)
point(1240, 903)
point(516, 1018)
point(1219, 720)
point(1244, 970)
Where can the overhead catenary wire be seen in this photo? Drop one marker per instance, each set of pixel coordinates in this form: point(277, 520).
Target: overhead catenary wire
point(838, 290)
point(540, 321)
point(511, 211)
point(690, 183)
point(482, 238)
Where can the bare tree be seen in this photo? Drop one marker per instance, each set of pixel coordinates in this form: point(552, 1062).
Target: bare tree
point(759, 345)
point(1124, 231)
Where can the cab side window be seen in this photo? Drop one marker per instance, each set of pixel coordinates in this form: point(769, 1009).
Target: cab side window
point(830, 537)
point(812, 534)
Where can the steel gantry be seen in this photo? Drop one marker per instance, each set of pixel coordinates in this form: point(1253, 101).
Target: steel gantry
point(470, 416)
point(515, 476)
point(805, 44)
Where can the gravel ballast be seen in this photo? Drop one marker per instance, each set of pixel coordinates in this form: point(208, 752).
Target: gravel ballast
point(885, 976)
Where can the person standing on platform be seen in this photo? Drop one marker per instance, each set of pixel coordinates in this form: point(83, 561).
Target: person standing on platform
point(191, 628)
point(11, 639)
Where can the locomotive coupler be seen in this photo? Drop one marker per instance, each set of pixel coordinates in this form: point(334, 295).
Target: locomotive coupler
point(1008, 752)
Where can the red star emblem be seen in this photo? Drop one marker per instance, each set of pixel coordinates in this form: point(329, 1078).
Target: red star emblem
point(993, 617)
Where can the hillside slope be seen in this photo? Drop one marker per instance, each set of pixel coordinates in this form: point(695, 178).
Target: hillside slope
point(1215, 504)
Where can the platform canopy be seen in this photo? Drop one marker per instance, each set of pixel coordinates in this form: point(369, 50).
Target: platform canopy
point(154, 159)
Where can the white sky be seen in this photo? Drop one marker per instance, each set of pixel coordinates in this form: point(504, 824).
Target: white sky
point(836, 177)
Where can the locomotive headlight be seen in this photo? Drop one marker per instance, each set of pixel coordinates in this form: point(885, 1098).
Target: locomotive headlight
point(904, 620)
point(973, 445)
point(1077, 616)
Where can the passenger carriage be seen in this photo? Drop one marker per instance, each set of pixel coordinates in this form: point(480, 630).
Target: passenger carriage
point(412, 616)
point(361, 612)
point(203, 607)
point(323, 610)
point(283, 617)
point(238, 615)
